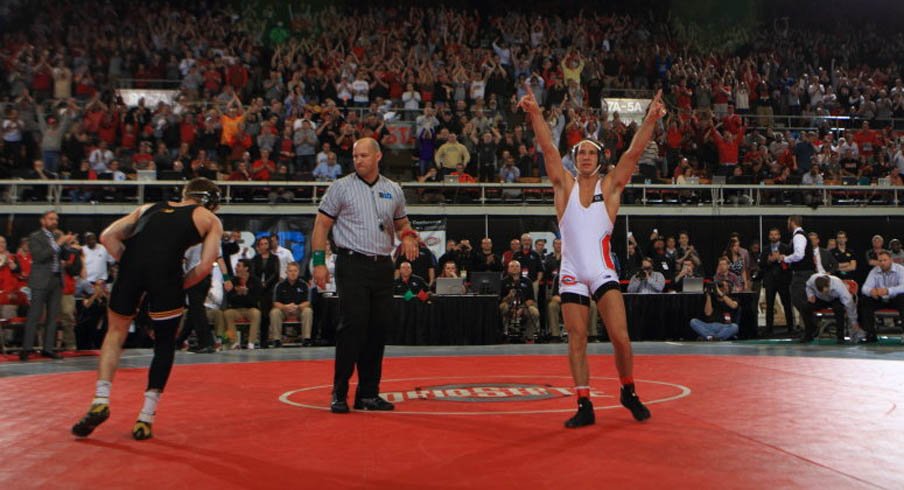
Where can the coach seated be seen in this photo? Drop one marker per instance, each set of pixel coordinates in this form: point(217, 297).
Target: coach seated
point(646, 280)
point(290, 302)
point(829, 292)
point(883, 289)
point(408, 284)
point(242, 303)
point(518, 302)
point(721, 311)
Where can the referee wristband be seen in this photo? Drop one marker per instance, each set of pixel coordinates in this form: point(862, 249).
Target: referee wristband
point(318, 257)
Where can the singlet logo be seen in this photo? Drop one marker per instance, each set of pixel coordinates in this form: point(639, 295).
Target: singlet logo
point(569, 280)
point(597, 198)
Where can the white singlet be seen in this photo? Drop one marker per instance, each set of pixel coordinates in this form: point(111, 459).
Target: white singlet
point(586, 252)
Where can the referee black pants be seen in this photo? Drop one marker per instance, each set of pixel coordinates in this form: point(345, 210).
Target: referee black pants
point(364, 286)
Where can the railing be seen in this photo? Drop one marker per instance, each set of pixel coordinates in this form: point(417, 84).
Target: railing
point(70, 192)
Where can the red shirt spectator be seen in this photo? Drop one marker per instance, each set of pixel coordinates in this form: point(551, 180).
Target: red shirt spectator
point(868, 140)
point(263, 168)
point(728, 148)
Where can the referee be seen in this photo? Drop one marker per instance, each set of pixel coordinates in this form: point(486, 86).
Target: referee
point(802, 265)
point(365, 212)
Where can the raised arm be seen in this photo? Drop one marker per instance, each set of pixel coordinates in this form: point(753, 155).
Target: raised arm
point(551, 158)
point(628, 161)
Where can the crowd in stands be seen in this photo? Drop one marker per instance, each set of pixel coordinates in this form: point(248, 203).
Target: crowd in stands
point(266, 100)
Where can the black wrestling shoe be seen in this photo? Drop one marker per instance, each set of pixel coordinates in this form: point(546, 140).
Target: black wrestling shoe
point(584, 417)
point(141, 430)
point(97, 414)
point(630, 401)
point(376, 403)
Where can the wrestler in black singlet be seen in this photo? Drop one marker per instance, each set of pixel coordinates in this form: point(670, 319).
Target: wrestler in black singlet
point(152, 262)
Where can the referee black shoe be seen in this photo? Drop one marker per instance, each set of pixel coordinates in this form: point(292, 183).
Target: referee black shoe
point(339, 405)
point(585, 415)
point(376, 403)
point(97, 414)
point(630, 401)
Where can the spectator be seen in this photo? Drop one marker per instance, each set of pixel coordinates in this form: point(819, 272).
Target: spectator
point(776, 279)
point(724, 273)
point(485, 260)
point(449, 155)
point(722, 314)
point(284, 254)
point(96, 259)
point(291, 302)
point(52, 133)
point(242, 303)
point(825, 261)
point(423, 266)
point(662, 263)
point(10, 294)
point(531, 262)
point(213, 305)
point(687, 270)
point(461, 175)
point(517, 301)
point(872, 255)
point(883, 289)
point(305, 142)
point(829, 292)
point(408, 284)
point(737, 264)
point(646, 280)
point(514, 246)
point(328, 171)
point(897, 254)
point(844, 256)
point(263, 168)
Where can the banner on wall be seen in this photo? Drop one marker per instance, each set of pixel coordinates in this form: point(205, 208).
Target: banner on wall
point(433, 233)
point(401, 135)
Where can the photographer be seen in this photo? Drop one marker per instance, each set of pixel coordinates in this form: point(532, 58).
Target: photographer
point(518, 292)
point(721, 311)
point(646, 280)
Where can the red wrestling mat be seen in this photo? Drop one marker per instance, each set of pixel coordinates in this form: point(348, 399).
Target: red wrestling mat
point(471, 422)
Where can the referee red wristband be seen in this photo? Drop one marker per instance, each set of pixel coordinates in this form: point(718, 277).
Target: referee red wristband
point(409, 233)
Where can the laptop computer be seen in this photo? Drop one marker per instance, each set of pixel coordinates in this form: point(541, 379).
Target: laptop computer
point(719, 179)
point(446, 286)
point(485, 283)
point(450, 179)
point(146, 175)
point(692, 285)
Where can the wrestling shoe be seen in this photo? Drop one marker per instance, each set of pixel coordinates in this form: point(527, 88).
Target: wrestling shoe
point(97, 414)
point(630, 401)
point(141, 430)
point(585, 415)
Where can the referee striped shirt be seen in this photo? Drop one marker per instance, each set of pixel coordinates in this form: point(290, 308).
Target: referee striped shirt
point(359, 209)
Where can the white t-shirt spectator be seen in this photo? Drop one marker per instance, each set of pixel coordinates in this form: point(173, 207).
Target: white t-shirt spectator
point(360, 89)
point(412, 100)
point(285, 256)
point(96, 262)
point(478, 89)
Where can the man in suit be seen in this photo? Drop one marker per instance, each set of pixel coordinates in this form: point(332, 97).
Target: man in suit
point(46, 284)
point(776, 279)
point(825, 261)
